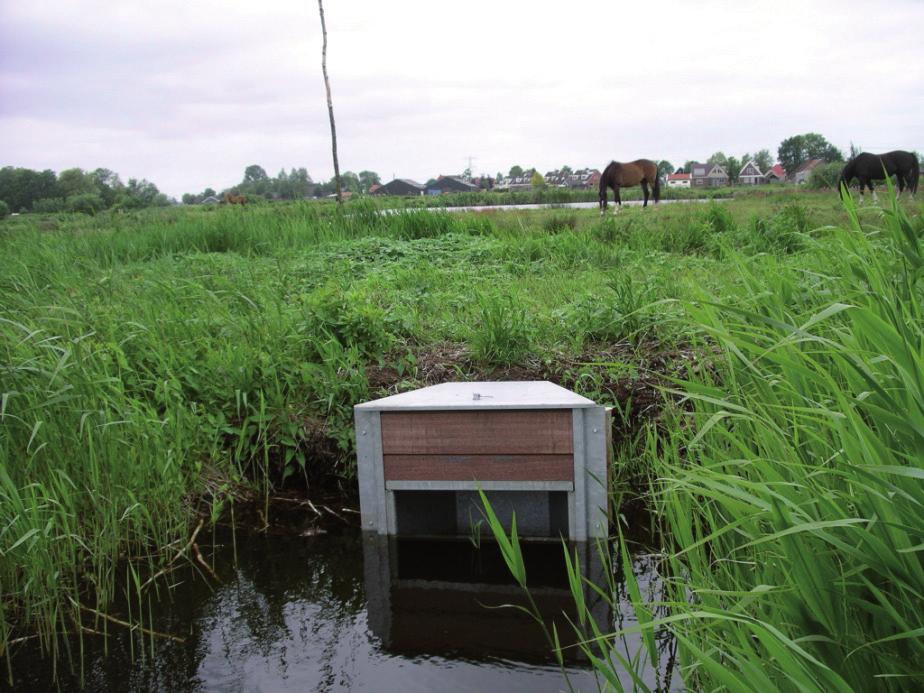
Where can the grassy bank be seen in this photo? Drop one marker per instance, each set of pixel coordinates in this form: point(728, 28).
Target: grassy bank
point(152, 363)
point(790, 489)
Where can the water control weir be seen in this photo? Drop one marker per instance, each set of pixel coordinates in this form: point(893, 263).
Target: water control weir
point(535, 449)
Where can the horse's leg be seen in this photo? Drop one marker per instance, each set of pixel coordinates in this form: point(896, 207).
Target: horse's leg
point(645, 191)
point(873, 190)
point(618, 204)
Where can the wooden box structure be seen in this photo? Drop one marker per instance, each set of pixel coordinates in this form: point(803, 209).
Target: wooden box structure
point(535, 449)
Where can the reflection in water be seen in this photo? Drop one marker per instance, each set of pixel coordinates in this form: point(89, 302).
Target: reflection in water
point(340, 611)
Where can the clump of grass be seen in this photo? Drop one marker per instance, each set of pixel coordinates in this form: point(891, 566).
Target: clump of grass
point(503, 334)
point(560, 221)
point(619, 312)
point(784, 232)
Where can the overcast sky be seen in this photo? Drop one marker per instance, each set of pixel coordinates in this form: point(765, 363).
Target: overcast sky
point(187, 94)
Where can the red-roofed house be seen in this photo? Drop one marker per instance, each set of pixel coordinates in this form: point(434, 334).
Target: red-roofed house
point(776, 174)
point(678, 180)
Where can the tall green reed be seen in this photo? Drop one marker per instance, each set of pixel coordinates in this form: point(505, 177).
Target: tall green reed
point(789, 488)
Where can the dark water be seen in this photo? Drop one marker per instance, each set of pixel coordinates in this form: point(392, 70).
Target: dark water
point(339, 611)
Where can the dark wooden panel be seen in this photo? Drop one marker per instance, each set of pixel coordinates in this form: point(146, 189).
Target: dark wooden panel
point(479, 467)
point(506, 432)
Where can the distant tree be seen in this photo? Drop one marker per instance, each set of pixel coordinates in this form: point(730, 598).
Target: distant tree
point(536, 180)
point(733, 169)
point(566, 170)
point(688, 166)
point(350, 181)
point(718, 158)
point(208, 192)
point(798, 148)
point(516, 171)
point(107, 185)
point(431, 183)
point(791, 153)
point(855, 150)
point(300, 183)
point(254, 173)
point(86, 203)
point(665, 168)
point(4, 210)
point(763, 160)
point(140, 193)
point(499, 177)
point(21, 187)
point(75, 181)
point(324, 189)
point(189, 199)
point(367, 179)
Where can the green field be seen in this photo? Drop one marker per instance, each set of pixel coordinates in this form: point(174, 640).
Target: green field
point(156, 365)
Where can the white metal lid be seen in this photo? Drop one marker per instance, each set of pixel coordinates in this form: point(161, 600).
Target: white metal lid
point(536, 394)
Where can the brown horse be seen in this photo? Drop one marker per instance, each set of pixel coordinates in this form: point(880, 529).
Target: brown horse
point(235, 199)
point(618, 175)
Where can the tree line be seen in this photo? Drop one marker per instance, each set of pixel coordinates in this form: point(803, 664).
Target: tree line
point(294, 185)
point(74, 190)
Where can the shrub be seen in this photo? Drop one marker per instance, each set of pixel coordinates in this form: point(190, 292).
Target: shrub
point(825, 176)
point(88, 203)
point(4, 210)
point(348, 316)
point(49, 205)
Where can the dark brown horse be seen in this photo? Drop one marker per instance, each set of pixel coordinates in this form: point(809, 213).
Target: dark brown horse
point(867, 168)
point(618, 175)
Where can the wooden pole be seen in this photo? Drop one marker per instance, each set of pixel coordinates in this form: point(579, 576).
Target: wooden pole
point(330, 105)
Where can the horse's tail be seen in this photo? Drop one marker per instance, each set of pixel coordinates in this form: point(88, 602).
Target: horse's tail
point(843, 180)
point(656, 188)
point(603, 179)
point(915, 173)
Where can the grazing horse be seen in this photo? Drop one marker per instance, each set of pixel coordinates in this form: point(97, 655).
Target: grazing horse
point(618, 175)
point(235, 199)
point(867, 167)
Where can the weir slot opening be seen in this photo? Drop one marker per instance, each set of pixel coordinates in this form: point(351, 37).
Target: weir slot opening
point(459, 513)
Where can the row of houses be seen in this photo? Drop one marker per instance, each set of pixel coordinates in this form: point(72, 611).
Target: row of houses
point(582, 178)
point(699, 176)
point(439, 186)
point(715, 175)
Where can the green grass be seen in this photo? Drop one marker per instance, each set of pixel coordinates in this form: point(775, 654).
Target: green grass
point(789, 491)
point(153, 364)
